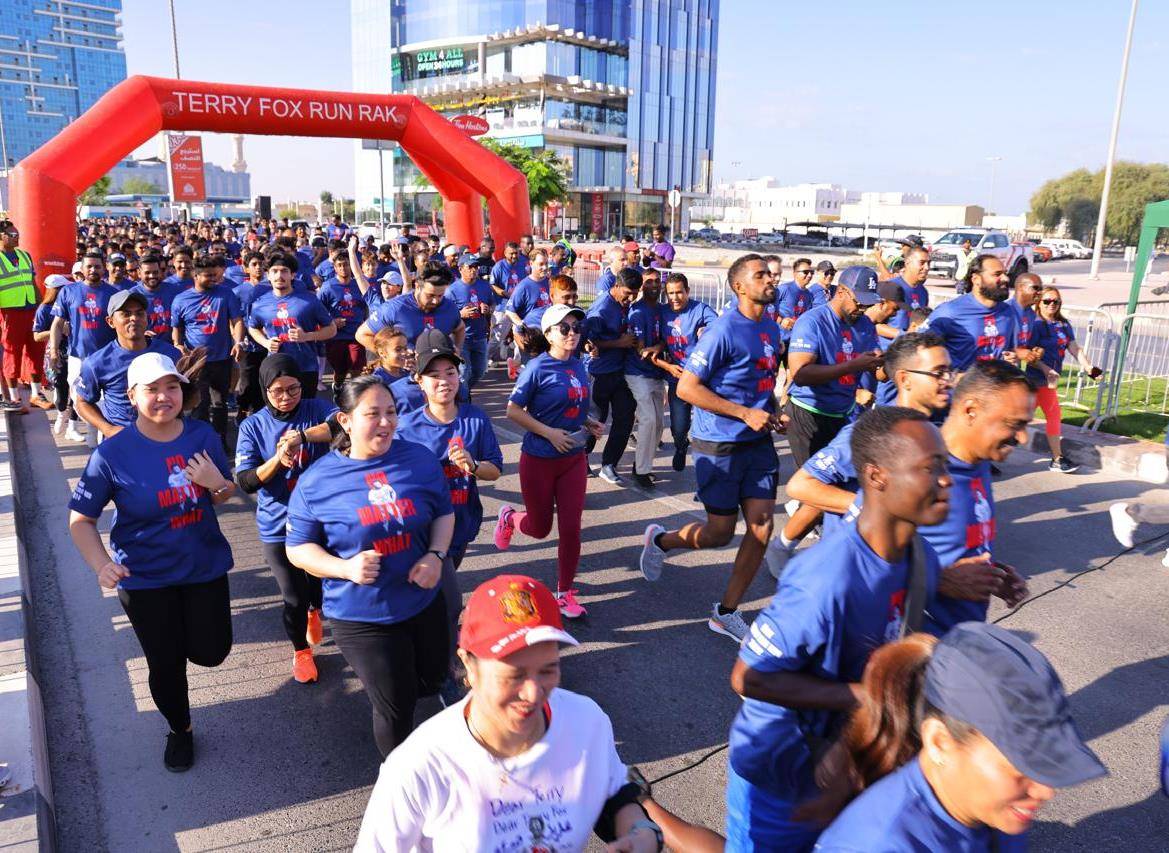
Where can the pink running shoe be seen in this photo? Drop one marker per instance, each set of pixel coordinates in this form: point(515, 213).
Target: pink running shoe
point(570, 608)
point(504, 527)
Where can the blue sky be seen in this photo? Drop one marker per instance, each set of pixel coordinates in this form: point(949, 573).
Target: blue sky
point(906, 95)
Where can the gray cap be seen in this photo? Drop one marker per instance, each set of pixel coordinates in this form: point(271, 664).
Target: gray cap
point(119, 299)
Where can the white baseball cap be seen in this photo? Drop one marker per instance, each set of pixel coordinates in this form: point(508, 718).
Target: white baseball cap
point(557, 313)
point(77, 267)
point(57, 280)
point(150, 367)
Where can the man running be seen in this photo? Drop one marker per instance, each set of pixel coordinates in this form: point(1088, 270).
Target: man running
point(645, 378)
point(730, 380)
point(425, 307)
point(979, 325)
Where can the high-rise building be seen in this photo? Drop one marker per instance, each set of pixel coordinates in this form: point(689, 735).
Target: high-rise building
point(622, 90)
point(57, 57)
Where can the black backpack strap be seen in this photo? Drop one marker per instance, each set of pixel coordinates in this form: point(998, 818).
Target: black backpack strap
point(915, 596)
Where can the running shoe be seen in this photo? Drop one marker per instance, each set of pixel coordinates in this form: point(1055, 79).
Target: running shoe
point(1062, 465)
point(609, 475)
point(72, 433)
point(180, 752)
point(451, 692)
point(777, 556)
point(680, 459)
point(652, 557)
point(304, 668)
point(60, 424)
point(1165, 559)
point(1123, 524)
point(570, 608)
point(316, 631)
point(729, 624)
point(645, 481)
point(790, 508)
point(504, 528)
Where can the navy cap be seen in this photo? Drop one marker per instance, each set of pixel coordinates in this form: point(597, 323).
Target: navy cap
point(826, 266)
point(913, 240)
point(117, 258)
point(122, 297)
point(468, 260)
point(891, 291)
point(862, 281)
point(987, 677)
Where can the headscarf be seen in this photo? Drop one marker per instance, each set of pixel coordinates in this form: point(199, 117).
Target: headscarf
point(272, 368)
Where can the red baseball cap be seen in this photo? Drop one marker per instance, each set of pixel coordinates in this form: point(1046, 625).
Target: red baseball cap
point(509, 613)
point(630, 246)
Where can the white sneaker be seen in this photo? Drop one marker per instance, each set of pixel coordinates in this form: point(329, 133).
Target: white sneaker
point(1123, 524)
point(1165, 559)
point(72, 433)
point(60, 424)
point(776, 556)
point(652, 557)
point(790, 507)
point(730, 624)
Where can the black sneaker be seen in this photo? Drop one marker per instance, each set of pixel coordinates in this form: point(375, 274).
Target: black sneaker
point(180, 752)
point(1062, 465)
point(644, 480)
point(680, 459)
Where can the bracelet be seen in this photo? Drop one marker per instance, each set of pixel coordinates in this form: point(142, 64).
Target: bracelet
point(224, 488)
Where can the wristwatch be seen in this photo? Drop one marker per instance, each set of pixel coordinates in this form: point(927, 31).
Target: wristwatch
point(646, 823)
point(440, 554)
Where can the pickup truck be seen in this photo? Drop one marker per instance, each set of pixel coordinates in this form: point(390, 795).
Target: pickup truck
point(1018, 258)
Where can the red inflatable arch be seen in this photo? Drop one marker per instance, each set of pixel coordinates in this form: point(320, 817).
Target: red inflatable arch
point(45, 185)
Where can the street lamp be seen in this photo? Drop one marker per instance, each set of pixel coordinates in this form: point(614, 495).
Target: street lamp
point(994, 162)
point(1098, 248)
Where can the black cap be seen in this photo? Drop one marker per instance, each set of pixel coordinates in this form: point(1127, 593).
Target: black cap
point(432, 344)
point(120, 298)
point(892, 291)
point(913, 240)
point(825, 266)
point(987, 677)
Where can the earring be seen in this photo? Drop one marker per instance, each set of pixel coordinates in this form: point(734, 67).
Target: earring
point(939, 762)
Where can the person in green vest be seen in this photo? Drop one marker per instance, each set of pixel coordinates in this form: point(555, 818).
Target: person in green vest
point(18, 303)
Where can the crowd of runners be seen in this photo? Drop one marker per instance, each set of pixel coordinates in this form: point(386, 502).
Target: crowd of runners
point(879, 710)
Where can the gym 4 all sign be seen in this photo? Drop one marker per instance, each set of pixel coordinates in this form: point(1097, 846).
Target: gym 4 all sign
point(186, 167)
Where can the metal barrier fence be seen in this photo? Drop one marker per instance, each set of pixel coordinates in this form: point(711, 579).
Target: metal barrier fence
point(1142, 385)
point(710, 287)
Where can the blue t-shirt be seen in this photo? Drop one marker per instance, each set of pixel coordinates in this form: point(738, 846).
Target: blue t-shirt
point(344, 300)
point(835, 605)
point(902, 814)
point(477, 293)
point(406, 391)
point(680, 329)
point(247, 293)
point(275, 315)
point(506, 276)
point(403, 311)
point(385, 504)
point(159, 305)
point(529, 295)
point(607, 320)
point(737, 358)
point(645, 321)
point(103, 378)
point(205, 316)
point(605, 281)
point(258, 436)
point(234, 274)
point(179, 282)
point(1026, 319)
point(791, 300)
point(556, 393)
point(968, 530)
point(827, 337)
point(84, 309)
point(914, 297)
point(164, 530)
point(324, 270)
point(820, 294)
point(972, 331)
point(42, 320)
point(472, 428)
point(832, 466)
point(1054, 336)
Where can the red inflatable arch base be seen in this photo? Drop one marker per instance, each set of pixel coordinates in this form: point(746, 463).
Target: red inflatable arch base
point(45, 185)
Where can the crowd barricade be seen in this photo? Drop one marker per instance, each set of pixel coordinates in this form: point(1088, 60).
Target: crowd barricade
point(710, 287)
point(1142, 383)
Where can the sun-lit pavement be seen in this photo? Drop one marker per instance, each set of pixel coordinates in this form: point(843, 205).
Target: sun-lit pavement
point(281, 766)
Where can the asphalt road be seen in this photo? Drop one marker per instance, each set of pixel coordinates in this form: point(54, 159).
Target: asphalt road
point(283, 766)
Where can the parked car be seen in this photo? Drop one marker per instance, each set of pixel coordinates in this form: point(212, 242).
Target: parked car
point(1018, 258)
point(1042, 253)
point(372, 228)
point(711, 234)
point(1078, 250)
point(771, 239)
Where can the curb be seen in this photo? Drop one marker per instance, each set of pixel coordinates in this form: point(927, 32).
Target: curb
point(1116, 454)
point(27, 814)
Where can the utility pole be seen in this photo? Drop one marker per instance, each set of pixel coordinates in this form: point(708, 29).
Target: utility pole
point(994, 162)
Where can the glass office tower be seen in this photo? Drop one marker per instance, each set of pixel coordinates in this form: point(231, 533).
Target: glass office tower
point(622, 90)
point(56, 58)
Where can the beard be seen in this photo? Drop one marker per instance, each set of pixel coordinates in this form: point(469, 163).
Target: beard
point(996, 294)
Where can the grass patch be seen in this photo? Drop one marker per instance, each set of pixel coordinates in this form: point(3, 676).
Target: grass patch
point(1138, 415)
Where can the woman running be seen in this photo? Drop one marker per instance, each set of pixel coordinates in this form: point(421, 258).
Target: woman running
point(56, 367)
point(395, 359)
point(169, 562)
point(273, 450)
point(461, 435)
point(958, 744)
point(376, 523)
point(551, 403)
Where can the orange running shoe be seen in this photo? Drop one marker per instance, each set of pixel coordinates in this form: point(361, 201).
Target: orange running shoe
point(316, 631)
point(304, 669)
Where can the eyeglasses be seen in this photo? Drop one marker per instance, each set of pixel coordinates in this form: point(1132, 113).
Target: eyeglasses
point(567, 329)
point(1051, 301)
point(941, 375)
point(287, 391)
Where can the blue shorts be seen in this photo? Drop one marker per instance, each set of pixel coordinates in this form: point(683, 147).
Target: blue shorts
point(724, 482)
point(758, 820)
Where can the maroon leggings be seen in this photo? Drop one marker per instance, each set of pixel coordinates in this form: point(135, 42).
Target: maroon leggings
point(554, 485)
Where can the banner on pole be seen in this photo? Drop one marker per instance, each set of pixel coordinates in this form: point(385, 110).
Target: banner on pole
point(186, 168)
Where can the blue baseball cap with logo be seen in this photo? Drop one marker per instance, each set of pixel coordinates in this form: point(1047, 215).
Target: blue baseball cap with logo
point(862, 281)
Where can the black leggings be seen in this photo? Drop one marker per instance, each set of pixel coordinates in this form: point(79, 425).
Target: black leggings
point(610, 391)
point(176, 624)
point(214, 386)
point(249, 395)
point(397, 664)
point(299, 589)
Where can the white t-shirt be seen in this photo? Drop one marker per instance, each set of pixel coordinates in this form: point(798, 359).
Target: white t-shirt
point(442, 791)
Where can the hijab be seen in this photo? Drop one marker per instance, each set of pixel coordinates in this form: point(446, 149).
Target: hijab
point(272, 368)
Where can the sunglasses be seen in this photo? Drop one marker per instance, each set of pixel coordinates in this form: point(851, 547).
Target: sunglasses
point(567, 329)
point(803, 272)
point(1051, 301)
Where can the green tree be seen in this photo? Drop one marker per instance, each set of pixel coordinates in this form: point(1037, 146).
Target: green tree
point(97, 193)
point(1074, 199)
point(327, 207)
point(288, 213)
point(140, 186)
